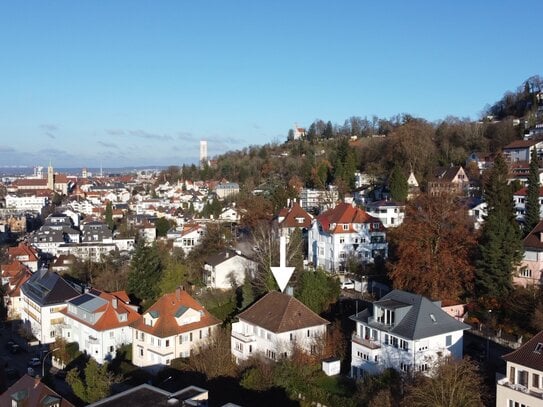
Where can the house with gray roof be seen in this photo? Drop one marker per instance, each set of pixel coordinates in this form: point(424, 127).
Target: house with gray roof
point(227, 269)
point(406, 332)
point(43, 297)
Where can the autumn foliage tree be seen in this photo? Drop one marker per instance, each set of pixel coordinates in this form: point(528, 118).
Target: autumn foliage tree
point(433, 249)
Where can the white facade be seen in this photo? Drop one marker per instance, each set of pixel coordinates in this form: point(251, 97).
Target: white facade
point(316, 198)
point(232, 270)
point(405, 332)
point(250, 339)
point(26, 203)
point(389, 213)
point(45, 322)
point(101, 345)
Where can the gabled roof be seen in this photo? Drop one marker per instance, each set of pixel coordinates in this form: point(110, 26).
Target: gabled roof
point(423, 318)
point(221, 257)
point(34, 391)
point(23, 249)
point(48, 288)
point(530, 354)
point(166, 308)
point(291, 216)
point(278, 312)
point(345, 214)
point(447, 174)
point(524, 192)
point(107, 305)
point(521, 144)
point(533, 240)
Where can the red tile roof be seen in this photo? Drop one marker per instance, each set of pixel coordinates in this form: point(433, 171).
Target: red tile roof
point(524, 192)
point(166, 307)
point(345, 214)
point(29, 182)
point(291, 215)
point(278, 312)
point(109, 318)
point(530, 354)
point(533, 240)
point(23, 249)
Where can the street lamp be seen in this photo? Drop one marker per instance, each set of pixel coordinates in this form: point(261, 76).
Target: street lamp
point(43, 361)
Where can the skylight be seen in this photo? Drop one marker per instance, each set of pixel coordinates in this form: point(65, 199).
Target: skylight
point(433, 318)
point(538, 347)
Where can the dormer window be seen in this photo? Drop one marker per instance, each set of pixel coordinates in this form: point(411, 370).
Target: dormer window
point(345, 227)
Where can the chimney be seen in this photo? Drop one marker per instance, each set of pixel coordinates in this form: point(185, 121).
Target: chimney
point(178, 293)
point(114, 302)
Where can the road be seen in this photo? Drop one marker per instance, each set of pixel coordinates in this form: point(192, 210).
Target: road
point(19, 361)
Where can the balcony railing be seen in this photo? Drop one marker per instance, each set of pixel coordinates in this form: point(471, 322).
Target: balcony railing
point(519, 387)
point(367, 343)
point(243, 337)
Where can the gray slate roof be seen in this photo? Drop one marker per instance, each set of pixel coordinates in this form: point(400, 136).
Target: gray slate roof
point(422, 317)
point(46, 288)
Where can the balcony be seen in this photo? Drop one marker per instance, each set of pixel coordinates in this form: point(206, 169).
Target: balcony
point(246, 338)
point(504, 381)
point(367, 343)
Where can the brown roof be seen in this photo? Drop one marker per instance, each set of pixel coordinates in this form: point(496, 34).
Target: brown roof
point(530, 354)
point(533, 240)
point(61, 179)
point(277, 312)
point(291, 215)
point(521, 144)
point(166, 307)
point(524, 192)
point(28, 182)
point(23, 249)
point(36, 393)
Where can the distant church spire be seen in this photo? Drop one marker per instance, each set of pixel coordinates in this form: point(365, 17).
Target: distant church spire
point(50, 177)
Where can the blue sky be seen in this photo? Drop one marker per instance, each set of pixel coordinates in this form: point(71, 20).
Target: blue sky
point(127, 83)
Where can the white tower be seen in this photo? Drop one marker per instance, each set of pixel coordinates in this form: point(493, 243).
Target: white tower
point(203, 152)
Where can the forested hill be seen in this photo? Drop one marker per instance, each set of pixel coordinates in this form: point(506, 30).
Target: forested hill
point(330, 153)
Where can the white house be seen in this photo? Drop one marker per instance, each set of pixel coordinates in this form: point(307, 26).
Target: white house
point(44, 296)
point(230, 215)
point(519, 198)
point(172, 327)
point(26, 203)
point(523, 383)
point(226, 189)
point(521, 150)
point(344, 231)
point(99, 322)
point(189, 237)
point(273, 325)
point(227, 268)
point(405, 332)
point(390, 213)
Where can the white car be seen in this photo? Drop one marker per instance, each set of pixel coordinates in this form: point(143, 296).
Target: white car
point(34, 362)
point(347, 285)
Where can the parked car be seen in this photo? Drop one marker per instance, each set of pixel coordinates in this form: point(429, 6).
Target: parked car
point(347, 285)
point(34, 362)
point(15, 349)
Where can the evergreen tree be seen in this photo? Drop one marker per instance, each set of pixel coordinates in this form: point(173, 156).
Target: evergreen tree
point(499, 244)
point(109, 215)
point(318, 290)
point(96, 383)
point(328, 131)
point(531, 217)
point(145, 271)
point(398, 185)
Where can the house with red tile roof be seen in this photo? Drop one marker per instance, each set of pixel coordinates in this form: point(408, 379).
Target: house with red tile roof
point(273, 325)
point(342, 232)
point(522, 384)
point(14, 275)
point(29, 391)
point(521, 150)
point(293, 217)
point(99, 322)
point(172, 327)
point(26, 254)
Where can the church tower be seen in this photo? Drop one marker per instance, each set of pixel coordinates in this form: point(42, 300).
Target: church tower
point(50, 177)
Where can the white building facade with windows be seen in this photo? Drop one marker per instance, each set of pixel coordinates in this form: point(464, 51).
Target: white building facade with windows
point(405, 332)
